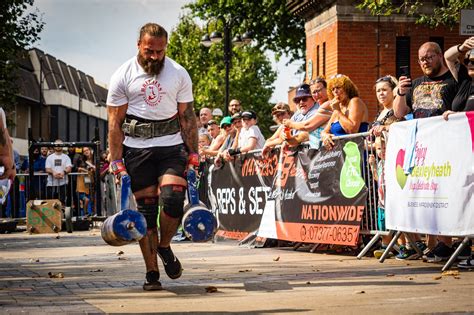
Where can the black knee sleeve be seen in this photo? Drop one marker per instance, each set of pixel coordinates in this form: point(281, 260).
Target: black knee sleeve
point(172, 197)
point(149, 208)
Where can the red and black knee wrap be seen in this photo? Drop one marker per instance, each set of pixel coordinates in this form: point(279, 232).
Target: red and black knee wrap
point(149, 208)
point(173, 197)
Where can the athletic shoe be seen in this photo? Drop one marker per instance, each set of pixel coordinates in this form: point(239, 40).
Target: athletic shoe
point(379, 252)
point(410, 253)
point(467, 264)
point(152, 283)
point(170, 262)
point(440, 253)
point(428, 254)
point(466, 252)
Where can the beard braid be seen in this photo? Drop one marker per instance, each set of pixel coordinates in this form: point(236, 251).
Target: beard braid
point(152, 67)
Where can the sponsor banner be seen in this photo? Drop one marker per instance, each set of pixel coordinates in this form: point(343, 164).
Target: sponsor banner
point(436, 197)
point(313, 196)
point(238, 193)
point(323, 194)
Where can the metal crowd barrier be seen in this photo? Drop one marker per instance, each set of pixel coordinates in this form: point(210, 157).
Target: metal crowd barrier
point(370, 218)
point(81, 203)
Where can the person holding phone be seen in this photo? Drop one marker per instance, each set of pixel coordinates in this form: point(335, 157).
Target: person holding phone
point(430, 95)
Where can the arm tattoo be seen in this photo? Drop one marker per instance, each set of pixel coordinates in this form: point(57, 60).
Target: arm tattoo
point(189, 130)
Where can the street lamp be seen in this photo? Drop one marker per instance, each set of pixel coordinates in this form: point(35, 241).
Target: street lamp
point(239, 41)
point(41, 98)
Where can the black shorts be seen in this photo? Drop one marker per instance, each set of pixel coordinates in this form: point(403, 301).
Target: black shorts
point(146, 165)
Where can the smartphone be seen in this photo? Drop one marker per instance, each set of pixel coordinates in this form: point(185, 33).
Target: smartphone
point(405, 72)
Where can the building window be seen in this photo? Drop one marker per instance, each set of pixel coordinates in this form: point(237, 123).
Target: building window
point(402, 54)
point(438, 40)
point(72, 123)
point(59, 123)
point(83, 127)
point(317, 61)
point(324, 59)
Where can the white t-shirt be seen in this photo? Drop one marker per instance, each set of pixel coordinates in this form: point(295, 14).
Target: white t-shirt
point(58, 163)
point(252, 132)
point(150, 97)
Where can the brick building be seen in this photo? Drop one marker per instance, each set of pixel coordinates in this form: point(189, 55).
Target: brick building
point(342, 39)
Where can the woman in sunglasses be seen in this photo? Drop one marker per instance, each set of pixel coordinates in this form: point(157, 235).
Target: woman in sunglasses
point(460, 61)
point(350, 114)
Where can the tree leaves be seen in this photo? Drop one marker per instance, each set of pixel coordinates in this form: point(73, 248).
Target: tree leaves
point(251, 75)
point(17, 32)
point(446, 12)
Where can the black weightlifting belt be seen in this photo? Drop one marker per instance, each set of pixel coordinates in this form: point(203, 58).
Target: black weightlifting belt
point(138, 127)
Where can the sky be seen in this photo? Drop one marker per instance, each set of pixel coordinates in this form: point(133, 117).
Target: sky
point(97, 36)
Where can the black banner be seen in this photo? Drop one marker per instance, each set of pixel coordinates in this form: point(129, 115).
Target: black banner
point(307, 195)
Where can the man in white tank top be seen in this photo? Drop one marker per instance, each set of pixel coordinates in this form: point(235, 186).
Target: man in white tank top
point(153, 137)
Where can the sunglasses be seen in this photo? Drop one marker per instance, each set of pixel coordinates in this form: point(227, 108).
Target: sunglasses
point(304, 99)
point(225, 126)
point(336, 76)
point(468, 62)
point(386, 78)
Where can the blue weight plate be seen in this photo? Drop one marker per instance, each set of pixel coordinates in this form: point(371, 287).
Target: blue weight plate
point(199, 225)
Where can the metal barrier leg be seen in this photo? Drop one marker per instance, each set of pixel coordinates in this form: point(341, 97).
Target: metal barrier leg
point(369, 245)
point(297, 245)
point(456, 253)
point(390, 246)
point(314, 248)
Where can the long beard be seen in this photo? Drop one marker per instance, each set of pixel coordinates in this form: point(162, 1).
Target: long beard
point(150, 66)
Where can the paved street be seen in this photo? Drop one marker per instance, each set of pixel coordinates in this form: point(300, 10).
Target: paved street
point(256, 281)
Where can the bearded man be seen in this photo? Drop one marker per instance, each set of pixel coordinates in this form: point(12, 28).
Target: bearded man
point(153, 138)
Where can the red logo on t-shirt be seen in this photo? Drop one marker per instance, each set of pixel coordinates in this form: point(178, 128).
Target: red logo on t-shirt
point(152, 92)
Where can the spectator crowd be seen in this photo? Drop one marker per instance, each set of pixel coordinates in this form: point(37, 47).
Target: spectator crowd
point(324, 109)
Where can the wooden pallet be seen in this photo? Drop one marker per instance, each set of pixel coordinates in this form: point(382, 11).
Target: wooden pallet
point(44, 216)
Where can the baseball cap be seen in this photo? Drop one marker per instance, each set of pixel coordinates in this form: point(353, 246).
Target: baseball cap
point(249, 114)
point(226, 121)
point(280, 108)
point(211, 122)
point(235, 116)
point(302, 91)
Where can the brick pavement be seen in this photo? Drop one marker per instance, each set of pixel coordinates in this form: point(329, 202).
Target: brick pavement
point(256, 281)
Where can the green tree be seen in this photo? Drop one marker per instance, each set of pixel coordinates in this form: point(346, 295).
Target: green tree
point(446, 12)
point(274, 27)
point(251, 75)
point(18, 30)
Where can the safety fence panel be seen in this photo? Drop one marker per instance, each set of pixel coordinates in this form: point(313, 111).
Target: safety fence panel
point(307, 195)
point(79, 193)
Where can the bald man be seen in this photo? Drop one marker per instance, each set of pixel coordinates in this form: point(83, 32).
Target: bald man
point(428, 96)
point(431, 94)
point(205, 114)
